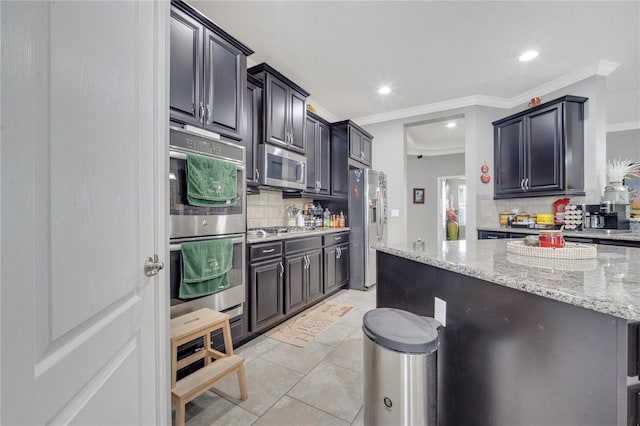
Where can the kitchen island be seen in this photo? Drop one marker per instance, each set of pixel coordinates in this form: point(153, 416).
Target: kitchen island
point(527, 341)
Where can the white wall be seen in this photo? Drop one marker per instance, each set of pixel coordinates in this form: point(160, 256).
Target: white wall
point(623, 145)
point(422, 219)
point(389, 155)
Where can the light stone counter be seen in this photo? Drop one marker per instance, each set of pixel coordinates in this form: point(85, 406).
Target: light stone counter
point(589, 233)
point(296, 234)
point(609, 284)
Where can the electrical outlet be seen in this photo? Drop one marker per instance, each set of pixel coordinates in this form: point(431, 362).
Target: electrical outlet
point(440, 311)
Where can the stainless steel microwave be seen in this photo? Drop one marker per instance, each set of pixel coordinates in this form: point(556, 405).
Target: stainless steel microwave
point(281, 168)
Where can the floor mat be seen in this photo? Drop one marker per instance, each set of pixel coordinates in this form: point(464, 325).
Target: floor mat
point(305, 327)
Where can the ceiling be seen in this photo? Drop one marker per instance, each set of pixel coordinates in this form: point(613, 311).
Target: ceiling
point(433, 137)
point(430, 52)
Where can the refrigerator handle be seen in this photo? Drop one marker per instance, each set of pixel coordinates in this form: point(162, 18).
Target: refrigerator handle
point(379, 222)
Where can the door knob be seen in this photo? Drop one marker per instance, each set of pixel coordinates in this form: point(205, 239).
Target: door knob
point(152, 266)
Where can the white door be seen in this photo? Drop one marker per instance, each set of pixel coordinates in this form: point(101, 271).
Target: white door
point(82, 138)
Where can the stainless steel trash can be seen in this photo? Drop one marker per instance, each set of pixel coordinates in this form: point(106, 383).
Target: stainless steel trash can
point(400, 368)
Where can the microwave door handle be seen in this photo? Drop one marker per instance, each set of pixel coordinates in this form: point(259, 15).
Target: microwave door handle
point(303, 174)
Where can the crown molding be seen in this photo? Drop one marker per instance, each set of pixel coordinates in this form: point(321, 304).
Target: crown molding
point(621, 127)
point(436, 152)
point(322, 111)
point(602, 67)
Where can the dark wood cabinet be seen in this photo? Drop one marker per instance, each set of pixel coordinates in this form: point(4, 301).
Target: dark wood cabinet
point(266, 279)
point(207, 74)
point(266, 294)
point(339, 162)
point(253, 116)
point(318, 145)
point(540, 151)
point(186, 68)
point(359, 145)
point(295, 293)
point(303, 273)
point(284, 109)
point(336, 261)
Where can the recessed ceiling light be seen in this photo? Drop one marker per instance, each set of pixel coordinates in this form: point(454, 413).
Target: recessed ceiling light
point(384, 90)
point(451, 125)
point(527, 56)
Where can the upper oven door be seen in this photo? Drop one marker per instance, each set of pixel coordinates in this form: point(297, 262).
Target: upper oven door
point(191, 221)
point(281, 168)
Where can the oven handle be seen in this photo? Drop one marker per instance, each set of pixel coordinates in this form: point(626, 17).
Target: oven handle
point(178, 246)
point(183, 156)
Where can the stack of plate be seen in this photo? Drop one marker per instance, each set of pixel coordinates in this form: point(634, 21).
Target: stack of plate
point(573, 217)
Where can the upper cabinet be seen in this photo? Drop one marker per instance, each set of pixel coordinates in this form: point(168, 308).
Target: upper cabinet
point(284, 109)
point(358, 141)
point(253, 115)
point(540, 151)
point(207, 74)
point(318, 142)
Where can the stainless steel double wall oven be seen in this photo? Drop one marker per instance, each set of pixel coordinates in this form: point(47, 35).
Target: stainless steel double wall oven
point(191, 223)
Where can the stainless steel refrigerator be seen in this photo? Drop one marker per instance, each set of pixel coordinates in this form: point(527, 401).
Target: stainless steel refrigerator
point(368, 223)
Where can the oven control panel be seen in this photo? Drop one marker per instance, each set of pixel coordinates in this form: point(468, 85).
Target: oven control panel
point(189, 141)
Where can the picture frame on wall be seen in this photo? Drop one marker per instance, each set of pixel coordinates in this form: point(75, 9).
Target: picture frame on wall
point(418, 195)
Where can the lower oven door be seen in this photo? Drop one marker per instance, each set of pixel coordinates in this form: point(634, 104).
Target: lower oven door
point(229, 300)
point(187, 220)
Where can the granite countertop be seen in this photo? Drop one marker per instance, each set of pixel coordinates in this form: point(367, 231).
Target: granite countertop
point(609, 284)
point(297, 234)
point(602, 235)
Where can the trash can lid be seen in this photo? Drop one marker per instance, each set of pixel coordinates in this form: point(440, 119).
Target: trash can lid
point(401, 331)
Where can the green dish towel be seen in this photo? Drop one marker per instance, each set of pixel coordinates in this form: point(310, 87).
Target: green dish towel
point(204, 267)
point(211, 182)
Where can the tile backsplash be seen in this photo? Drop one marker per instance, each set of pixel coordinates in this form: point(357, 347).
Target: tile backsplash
point(269, 208)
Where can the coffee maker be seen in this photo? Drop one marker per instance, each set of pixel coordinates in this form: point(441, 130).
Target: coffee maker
point(615, 214)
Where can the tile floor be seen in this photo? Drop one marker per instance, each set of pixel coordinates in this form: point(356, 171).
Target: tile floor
point(320, 384)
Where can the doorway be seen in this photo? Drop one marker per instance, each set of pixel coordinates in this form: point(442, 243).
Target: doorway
point(452, 208)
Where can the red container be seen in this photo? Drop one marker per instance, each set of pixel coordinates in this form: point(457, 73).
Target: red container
point(551, 239)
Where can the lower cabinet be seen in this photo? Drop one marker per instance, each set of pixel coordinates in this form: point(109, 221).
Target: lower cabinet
point(266, 279)
point(303, 273)
point(287, 276)
point(336, 261)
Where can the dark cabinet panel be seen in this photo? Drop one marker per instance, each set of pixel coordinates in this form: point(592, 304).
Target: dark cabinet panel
point(253, 115)
point(330, 268)
point(298, 103)
point(342, 265)
point(312, 182)
point(185, 83)
point(266, 294)
point(276, 130)
point(285, 105)
point(366, 150)
point(490, 235)
point(336, 267)
point(295, 291)
point(224, 74)
point(207, 74)
point(544, 151)
point(324, 157)
point(509, 155)
point(540, 151)
point(318, 146)
point(315, 282)
point(355, 144)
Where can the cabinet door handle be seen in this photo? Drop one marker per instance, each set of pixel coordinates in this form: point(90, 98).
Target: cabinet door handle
point(362, 155)
point(208, 115)
point(201, 112)
point(526, 184)
point(491, 237)
point(337, 238)
point(522, 184)
point(268, 251)
point(281, 269)
point(257, 175)
point(339, 251)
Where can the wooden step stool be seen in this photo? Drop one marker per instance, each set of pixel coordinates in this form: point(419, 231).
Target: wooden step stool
point(190, 327)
